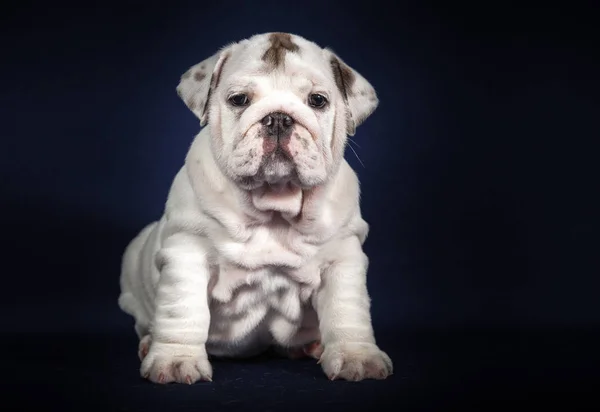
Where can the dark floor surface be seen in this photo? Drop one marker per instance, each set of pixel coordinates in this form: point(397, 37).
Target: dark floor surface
point(475, 369)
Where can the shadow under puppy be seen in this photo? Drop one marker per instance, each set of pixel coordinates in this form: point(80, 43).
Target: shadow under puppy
point(260, 243)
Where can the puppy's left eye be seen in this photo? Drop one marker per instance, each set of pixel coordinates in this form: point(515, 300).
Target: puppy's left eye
point(317, 100)
point(239, 100)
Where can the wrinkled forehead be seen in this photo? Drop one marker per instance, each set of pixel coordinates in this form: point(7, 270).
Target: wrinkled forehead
point(278, 58)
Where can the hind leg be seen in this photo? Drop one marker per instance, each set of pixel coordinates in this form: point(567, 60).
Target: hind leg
point(144, 347)
point(309, 350)
point(305, 344)
point(307, 340)
point(144, 336)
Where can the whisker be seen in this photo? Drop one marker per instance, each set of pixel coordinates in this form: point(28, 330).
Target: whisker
point(353, 141)
point(356, 154)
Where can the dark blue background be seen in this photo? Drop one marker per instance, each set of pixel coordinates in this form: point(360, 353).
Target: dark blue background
point(480, 177)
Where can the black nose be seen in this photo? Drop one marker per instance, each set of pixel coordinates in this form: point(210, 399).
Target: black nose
point(278, 125)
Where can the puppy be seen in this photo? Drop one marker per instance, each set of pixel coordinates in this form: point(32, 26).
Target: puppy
point(260, 243)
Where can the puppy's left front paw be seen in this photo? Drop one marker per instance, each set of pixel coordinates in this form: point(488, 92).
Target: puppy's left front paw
point(355, 361)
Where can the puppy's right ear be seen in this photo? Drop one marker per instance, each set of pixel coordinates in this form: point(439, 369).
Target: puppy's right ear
point(198, 83)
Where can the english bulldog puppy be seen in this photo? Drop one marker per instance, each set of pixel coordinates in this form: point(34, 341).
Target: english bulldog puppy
point(260, 243)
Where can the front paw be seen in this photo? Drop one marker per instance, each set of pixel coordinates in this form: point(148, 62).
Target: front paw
point(355, 361)
point(171, 362)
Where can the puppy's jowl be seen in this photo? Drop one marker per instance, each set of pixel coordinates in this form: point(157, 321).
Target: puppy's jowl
point(260, 244)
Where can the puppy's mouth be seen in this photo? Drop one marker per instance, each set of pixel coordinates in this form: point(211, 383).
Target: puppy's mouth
point(277, 154)
point(276, 174)
point(277, 168)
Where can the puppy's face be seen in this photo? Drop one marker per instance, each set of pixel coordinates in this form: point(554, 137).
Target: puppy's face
point(279, 109)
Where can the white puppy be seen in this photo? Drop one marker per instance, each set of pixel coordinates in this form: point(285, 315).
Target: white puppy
point(260, 244)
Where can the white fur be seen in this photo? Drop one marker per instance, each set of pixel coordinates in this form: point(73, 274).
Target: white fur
point(235, 266)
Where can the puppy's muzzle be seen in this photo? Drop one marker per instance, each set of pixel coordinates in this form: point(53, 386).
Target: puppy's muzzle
point(277, 126)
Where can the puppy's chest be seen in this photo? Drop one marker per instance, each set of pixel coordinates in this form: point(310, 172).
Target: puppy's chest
point(242, 281)
point(271, 267)
point(235, 291)
point(241, 300)
point(267, 246)
point(270, 273)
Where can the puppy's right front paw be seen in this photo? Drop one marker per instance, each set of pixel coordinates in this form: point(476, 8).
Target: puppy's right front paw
point(170, 362)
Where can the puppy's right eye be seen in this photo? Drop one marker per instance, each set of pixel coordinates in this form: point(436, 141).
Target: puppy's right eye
point(239, 100)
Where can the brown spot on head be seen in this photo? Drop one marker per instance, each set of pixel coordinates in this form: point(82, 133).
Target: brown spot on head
point(281, 43)
point(344, 78)
point(199, 76)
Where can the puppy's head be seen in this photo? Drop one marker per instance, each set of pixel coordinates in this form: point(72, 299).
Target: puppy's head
point(279, 109)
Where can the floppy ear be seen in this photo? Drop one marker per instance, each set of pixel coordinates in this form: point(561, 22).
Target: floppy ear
point(360, 97)
point(197, 84)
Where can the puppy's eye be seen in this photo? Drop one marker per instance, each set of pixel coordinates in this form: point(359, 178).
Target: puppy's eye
point(317, 100)
point(239, 100)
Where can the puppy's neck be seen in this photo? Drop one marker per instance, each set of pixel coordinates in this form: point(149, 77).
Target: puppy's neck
point(283, 198)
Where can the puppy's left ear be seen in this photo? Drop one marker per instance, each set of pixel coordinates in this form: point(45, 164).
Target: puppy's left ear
point(360, 97)
point(198, 83)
